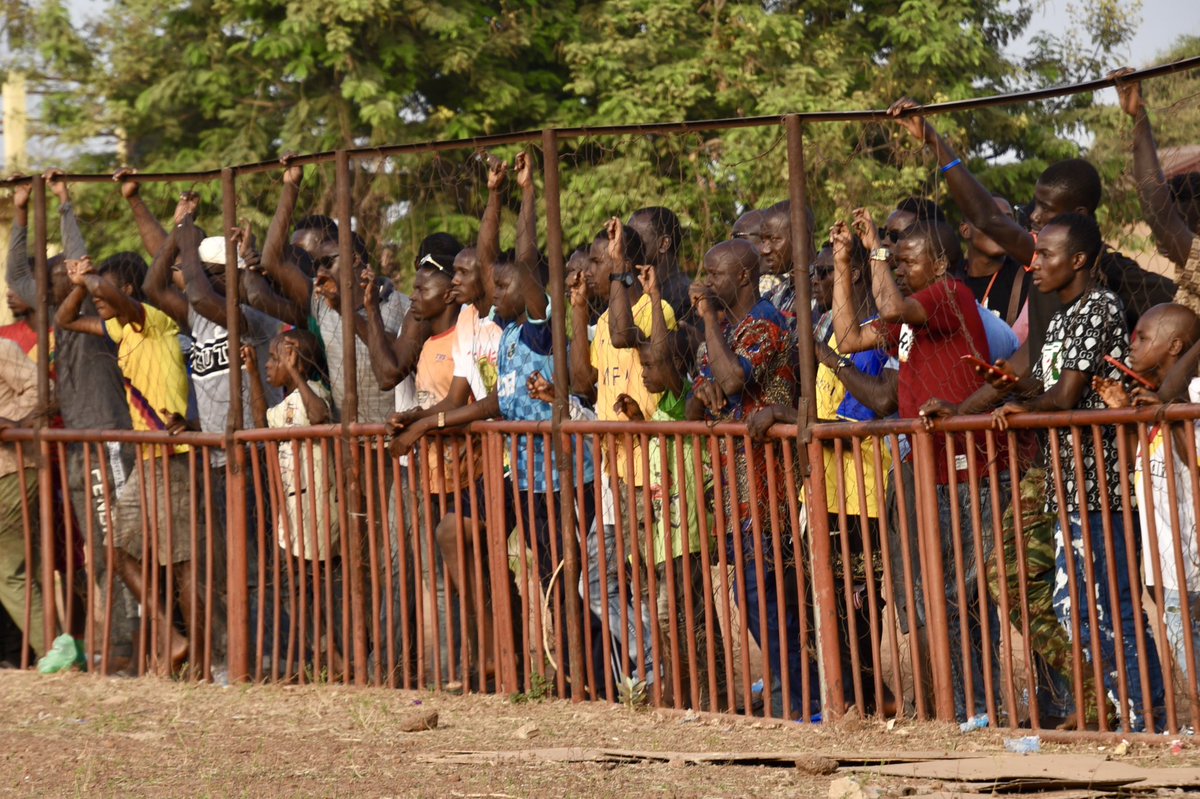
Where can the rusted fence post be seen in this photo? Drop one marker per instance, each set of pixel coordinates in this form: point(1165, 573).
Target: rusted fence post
point(45, 475)
point(347, 280)
point(809, 449)
point(238, 597)
point(563, 460)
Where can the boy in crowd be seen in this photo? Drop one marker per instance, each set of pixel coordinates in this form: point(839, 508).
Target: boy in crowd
point(601, 372)
point(523, 353)
point(931, 322)
point(1163, 334)
point(306, 514)
point(746, 364)
point(193, 295)
point(1088, 327)
point(156, 387)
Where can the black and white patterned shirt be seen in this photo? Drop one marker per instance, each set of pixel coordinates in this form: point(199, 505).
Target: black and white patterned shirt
point(1077, 339)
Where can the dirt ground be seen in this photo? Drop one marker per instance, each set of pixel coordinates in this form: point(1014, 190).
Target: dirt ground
point(81, 735)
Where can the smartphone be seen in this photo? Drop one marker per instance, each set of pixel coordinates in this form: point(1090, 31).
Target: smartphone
point(1130, 373)
point(980, 363)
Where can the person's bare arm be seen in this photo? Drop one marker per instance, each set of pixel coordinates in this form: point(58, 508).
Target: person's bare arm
point(583, 374)
point(292, 281)
point(197, 287)
point(975, 201)
point(158, 286)
point(622, 329)
point(487, 249)
point(851, 336)
point(1168, 225)
point(393, 358)
point(878, 392)
point(67, 316)
point(259, 294)
point(486, 408)
point(314, 407)
point(258, 397)
point(660, 335)
point(152, 233)
point(527, 249)
point(728, 371)
point(1062, 396)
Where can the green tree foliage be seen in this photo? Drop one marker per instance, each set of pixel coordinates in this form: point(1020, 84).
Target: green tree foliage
point(194, 85)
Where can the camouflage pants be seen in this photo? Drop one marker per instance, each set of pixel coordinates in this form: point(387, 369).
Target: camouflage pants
point(1048, 639)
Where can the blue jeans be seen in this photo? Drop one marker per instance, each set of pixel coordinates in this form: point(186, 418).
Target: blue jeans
point(790, 634)
point(1132, 718)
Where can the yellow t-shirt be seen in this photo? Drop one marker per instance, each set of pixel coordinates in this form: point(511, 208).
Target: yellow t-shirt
point(151, 362)
point(830, 392)
point(620, 372)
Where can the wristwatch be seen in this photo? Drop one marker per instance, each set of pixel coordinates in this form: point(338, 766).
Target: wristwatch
point(881, 254)
point(626, 279)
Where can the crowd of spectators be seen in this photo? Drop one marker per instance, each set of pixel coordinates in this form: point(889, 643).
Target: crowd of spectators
point(1008, 312)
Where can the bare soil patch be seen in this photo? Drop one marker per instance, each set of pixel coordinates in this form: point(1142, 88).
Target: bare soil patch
point(76, 735)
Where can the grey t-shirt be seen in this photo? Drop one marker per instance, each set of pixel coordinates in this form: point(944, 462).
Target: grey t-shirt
point(91, 392)
point(208, 362)
point(374, 404)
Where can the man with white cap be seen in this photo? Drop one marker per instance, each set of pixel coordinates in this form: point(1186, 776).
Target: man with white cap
point(193, 294)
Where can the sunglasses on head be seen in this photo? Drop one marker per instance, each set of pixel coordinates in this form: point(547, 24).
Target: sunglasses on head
point(429, 260)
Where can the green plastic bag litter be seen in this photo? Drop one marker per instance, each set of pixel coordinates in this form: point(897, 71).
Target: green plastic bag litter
point(62, 655)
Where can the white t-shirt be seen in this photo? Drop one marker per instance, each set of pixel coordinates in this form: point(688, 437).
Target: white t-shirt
point(476, 345)
point(1163, 524)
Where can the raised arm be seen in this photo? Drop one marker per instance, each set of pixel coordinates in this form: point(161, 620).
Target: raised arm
point(72, 237)
point(197, 287)
point(1168, 225)
point(258, 397)
point(851, 336)
point(583, 373)
point(969, 194)
point(67, 316)
point(728, 370)
point(487, 250)
point(315, 408)
point(527, 249)
point(18, 270)
point(294, 284)
point(393, 358)
point(621, 327)
point(151, 231)
point(256, 289)
point(660, 333)
point(158, 286)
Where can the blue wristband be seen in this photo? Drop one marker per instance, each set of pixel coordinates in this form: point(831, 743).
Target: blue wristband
point(951, 165)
